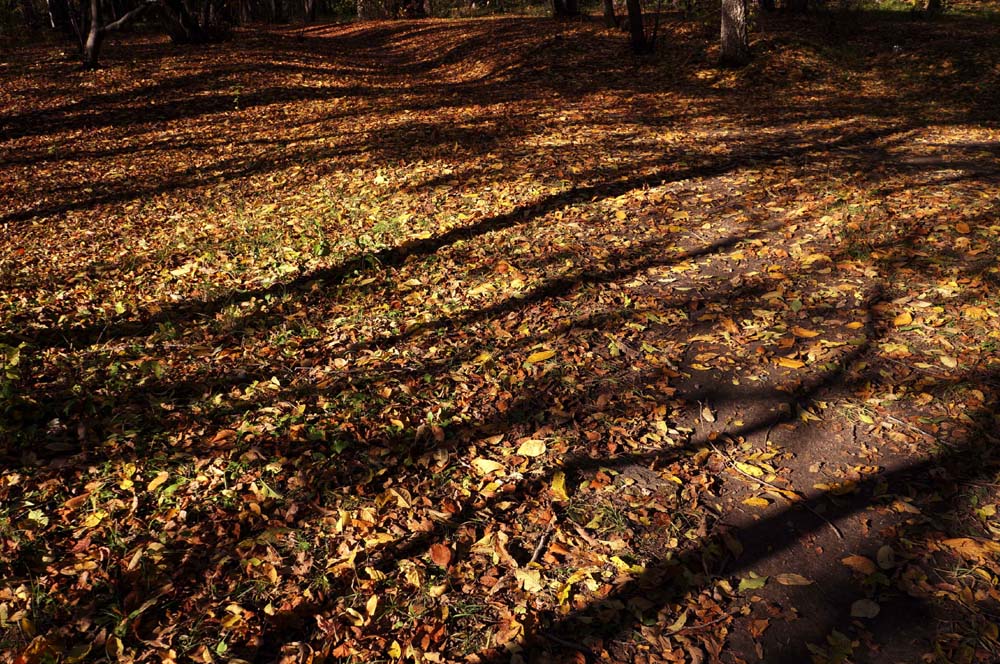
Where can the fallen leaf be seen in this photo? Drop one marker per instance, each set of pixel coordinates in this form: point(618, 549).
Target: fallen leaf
point(752, 582)
point(859, 564)
point(791, 363)
point(558, 487)
point(540, 356)
point(902, 319)
point(532, 448)
point(486, 466)
point(158, 481)
point(864, 608)
point(440, 554)
point(791, 579)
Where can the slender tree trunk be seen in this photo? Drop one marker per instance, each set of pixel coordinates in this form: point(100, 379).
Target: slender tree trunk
point(30, 15)
point(610, 20)
point(92, 46)
point(183, 28)
point(310, 10)
point(637, 31)
point(59, 15)
point(735, 40)
point(934, 7)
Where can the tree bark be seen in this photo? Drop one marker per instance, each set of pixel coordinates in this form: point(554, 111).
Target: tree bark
point(59, 15)
point(29, 13)
point(610, 20)
point(310, 10)
point(637, 31)
point(934, 7)
point(184, 29)
point(96, 31)
point(735, 40)
point(92, 45)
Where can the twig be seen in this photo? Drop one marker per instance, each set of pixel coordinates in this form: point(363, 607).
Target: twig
point(688, 628)
point(732, 464)
point(588, 653)
point(541, 544)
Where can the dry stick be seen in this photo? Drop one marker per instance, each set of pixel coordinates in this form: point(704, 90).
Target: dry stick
point(732, 464)
point(688, 628)
point(541, 544)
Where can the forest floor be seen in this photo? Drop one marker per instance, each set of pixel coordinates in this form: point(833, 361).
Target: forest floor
point(484, 341)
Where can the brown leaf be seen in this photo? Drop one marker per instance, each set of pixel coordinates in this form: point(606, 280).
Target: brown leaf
point(440, 554)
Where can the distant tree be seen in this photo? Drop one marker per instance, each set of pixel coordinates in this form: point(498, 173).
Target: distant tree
point(734, 33)
point(565, 8)
point(610, 20)
point(636, 29)
point(97, 29)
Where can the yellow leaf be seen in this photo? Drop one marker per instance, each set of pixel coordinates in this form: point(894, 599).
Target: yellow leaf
point(558, 487)
point(962, 227)
point(486, 466)
point(854, 325)
point(530, 579)
point(620, 215)
point(541, 356)
point(395, 650)
point(790, 363)
point(749, 469)
point(902, 319)
point(949, 361)
point(757, 502)
point(804, 333)
point(532, 448)
point(157, 481)
point(94, 518)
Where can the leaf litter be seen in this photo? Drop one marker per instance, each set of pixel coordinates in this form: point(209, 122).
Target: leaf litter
point(377, 353)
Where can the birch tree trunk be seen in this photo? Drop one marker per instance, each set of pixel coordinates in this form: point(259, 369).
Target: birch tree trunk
point(735, 40)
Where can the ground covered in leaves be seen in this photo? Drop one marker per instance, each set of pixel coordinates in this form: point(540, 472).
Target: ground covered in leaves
point(482, 340)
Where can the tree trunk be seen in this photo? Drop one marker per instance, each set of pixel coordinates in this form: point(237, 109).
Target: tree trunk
point(934, 7)
point(371, 10)
point(735, 40)
point(183, 27)
point(92, 46)
point(59, 15)
point(610, 20)
point(637, 30)
point(310, 10)
point(29, 13)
